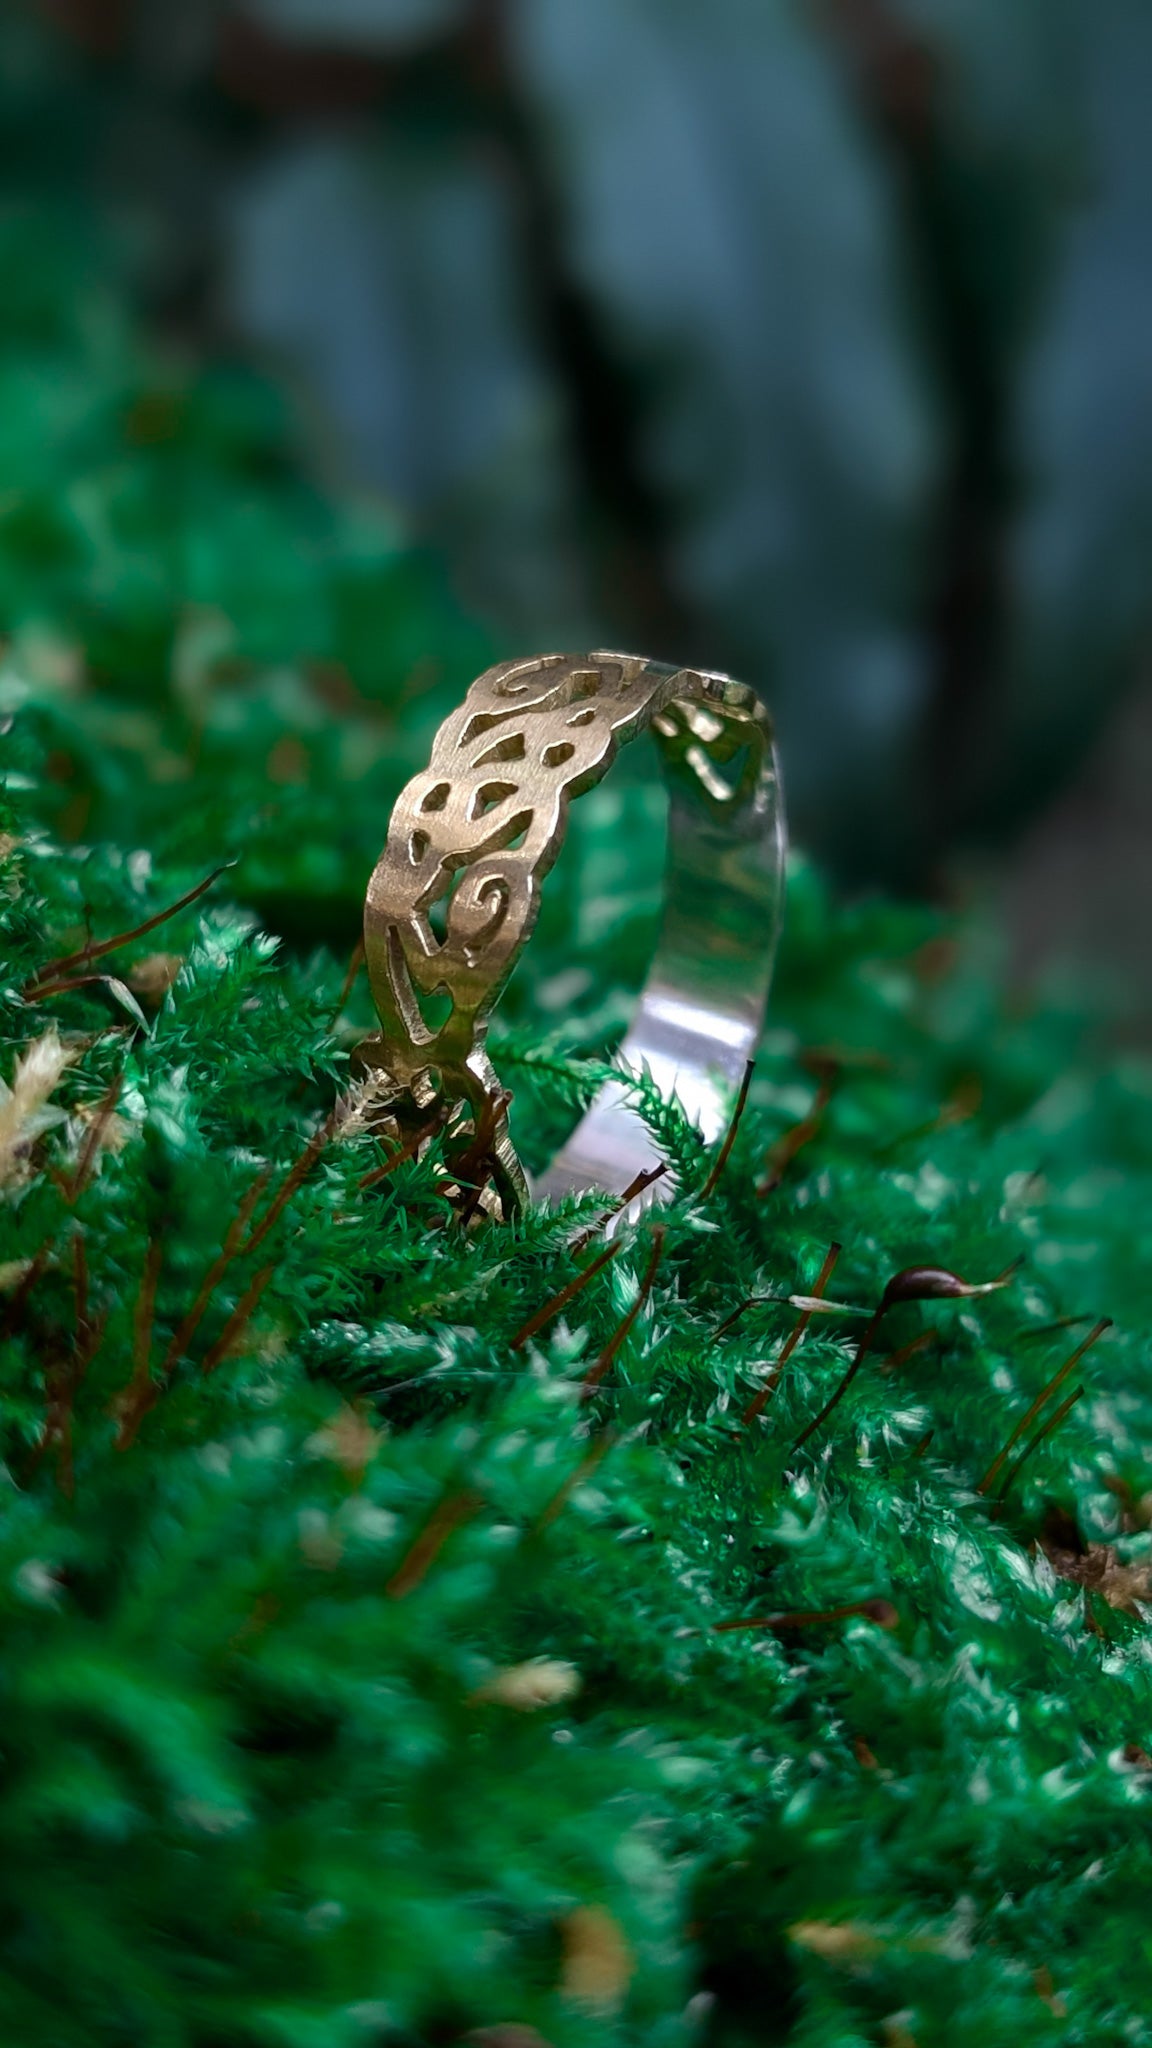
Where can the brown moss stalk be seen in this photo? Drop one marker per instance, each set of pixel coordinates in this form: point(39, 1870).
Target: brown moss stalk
point(721, 1159)
point(229, 1250)
point(560, 1300)
point(632, 1193)
point(1034, 1441)
point(1042, 1399)
point(142, 1390)
point(607, 1357)
point(406, 1151)
point(354, 965)
point(912, 1283)
point(413, 1567)
point(882, 1612)
point(293, 1179)
point(238, 1321)
point(94, 1137)
point(599, 1448)
point(764, 1394)
point(41, 982)
point(792, 1143)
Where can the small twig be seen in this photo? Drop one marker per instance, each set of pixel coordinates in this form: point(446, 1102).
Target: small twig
point(89, 952)
point(134, 1406)
point(862, 1349)
point(414, 1565)
point(349, 982)
point(593, 1377)
point(559, 1301)
point(1046, 1429)
point(59, 1383)
point(721, 1159)
point(813, 1303)
point(881, 1612)
point(762, 1397)
point(1042, 1399)
point(237, 1321)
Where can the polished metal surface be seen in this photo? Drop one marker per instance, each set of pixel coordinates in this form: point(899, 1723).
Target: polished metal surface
point(455, 894)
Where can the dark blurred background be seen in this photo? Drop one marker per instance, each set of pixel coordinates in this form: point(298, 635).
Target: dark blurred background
point(810, 339)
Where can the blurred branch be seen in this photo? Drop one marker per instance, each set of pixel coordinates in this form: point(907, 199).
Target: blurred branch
point(898, 76)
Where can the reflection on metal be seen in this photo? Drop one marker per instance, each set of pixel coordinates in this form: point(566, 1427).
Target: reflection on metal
point(456, 891)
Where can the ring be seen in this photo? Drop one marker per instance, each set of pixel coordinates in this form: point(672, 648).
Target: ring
point(455, 894)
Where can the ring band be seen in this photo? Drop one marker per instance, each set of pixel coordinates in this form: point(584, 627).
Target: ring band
point(456, 891)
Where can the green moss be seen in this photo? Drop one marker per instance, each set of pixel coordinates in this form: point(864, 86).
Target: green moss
point(258, 1576)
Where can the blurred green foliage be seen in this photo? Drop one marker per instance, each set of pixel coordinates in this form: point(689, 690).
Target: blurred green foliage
point(808, 341)
point(180, 598)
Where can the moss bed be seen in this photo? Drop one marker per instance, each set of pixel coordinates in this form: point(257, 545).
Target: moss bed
point(372, 1673)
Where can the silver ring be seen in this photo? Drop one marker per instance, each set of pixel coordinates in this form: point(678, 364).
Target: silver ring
point(455, 894)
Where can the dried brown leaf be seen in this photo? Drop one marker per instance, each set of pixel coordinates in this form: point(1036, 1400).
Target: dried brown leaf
point(1126, 1587)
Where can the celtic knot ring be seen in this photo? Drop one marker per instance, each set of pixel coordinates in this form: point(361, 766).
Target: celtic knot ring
point(456, 891)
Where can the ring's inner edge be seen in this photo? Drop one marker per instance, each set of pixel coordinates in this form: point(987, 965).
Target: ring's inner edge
point(702, 1006)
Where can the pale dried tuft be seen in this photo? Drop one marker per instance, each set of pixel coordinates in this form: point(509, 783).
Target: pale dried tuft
point(836, 1941)
point(597, 1960)
point(24, 1107)
point(115, 1130)
point(349, 1440)
point(541, 1682)
point(152, 977)
point(366, 1105)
